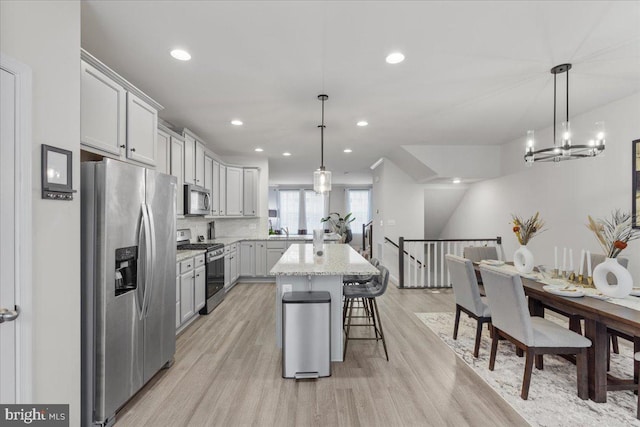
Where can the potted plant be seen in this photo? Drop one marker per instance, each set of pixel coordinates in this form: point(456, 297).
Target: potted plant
point(340, 225)
point(524, 231)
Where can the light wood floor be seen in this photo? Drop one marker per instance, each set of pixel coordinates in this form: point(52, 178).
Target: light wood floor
point(227, 372)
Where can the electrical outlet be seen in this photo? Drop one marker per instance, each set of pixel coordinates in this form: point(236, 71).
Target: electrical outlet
point(287, 288)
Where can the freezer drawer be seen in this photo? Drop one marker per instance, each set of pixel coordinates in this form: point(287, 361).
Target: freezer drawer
point(306, 345)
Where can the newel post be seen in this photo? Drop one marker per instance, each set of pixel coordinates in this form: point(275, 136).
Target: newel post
point(401, 262)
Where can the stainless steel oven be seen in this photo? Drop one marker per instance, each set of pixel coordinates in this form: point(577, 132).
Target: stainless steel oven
point(215, 279)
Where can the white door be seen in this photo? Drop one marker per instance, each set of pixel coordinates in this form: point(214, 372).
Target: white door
point(15, 224)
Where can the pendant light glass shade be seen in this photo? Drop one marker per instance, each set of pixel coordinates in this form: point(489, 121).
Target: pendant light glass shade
point(321, 181)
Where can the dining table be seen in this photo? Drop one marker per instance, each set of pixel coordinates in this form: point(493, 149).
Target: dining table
point(601, 316)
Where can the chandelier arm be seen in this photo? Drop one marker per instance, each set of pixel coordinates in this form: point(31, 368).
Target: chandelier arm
point(322, 139)
point(567, 95)
point(554, 110)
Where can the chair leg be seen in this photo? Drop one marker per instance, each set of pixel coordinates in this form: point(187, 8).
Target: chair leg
point(377, 314)
point(456, 322)
point(614, 344)
point(574, 324)
point(346, 341)
point(519, 352)
point(582, 374)
point(476, 348)
point(494, 348)
point(539, 362)
point(528, 368)
point(373, 317)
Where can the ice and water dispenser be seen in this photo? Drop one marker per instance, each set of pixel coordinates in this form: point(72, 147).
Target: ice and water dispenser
point(126, 269)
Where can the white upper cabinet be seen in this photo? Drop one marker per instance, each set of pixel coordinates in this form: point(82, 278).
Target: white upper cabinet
point(250, 193)
point(223, 190)
point(199, 164)
point(177, 170)
point(142, 128)
point(234, 191)
point(116, 118)
point(215, 192)
point(102, 111)
point(208, 176)
point(189, 159)
point(163, 152)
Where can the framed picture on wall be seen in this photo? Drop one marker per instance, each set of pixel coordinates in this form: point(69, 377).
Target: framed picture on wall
point(635, 203)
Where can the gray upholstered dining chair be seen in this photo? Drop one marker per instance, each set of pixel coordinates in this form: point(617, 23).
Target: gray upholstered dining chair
point(637, 357)
point(355, 279)
point(467, 295)
point(368, 293)
point(478, 253)
point(535, 336)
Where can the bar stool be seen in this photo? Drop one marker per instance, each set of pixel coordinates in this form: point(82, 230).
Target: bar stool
point(368, 292)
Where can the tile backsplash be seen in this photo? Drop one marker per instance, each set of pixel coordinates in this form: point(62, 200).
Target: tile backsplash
point(225, 227)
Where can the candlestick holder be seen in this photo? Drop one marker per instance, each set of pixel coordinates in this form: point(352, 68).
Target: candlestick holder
point(580, 279)
point(555, 273)
point(590, 282)
point(572, 277)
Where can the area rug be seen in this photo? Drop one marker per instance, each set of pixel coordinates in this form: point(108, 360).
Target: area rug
point(552, 395)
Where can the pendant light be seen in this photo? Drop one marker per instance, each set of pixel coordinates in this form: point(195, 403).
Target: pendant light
point(562, 148)
point(322, 177)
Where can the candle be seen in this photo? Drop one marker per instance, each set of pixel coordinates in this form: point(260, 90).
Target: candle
point(571, 260)
point(555, 257)
point(589, 263)
point(564, 259)
point(581, 263)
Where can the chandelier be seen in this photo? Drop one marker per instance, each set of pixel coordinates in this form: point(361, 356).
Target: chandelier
point(563, 148)
point(322, 177)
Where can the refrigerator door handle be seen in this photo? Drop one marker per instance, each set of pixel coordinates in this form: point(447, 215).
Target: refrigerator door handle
point(150, 271)
point(142, 264)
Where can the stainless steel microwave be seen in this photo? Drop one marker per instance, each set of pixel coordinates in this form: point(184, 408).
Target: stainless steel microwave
point(197, 200)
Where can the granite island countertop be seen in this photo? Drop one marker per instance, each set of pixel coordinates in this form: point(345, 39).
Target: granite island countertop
point(338, 260)
point(329, 237)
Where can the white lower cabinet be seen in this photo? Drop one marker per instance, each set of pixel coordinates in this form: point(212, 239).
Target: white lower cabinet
point(178, 318)
point(231, 266)
point(248, 259)
point(186, 296)
point(261, 259)
point(200, 283)
point(274, 250)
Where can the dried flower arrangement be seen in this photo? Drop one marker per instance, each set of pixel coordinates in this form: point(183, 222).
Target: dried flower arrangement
point(613, 234)
point(525, 230)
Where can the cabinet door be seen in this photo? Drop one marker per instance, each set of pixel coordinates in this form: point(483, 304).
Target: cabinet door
point(178, 317)
point(199, 164)
point(215, 189)
point(142, 130)
point(208, 176)
point(102, 111)
point(227, 271)
point(189, 160)
point(237, 269)
point(200, 288)
point(177, 170)
point(248, 259)
point(234, 191)
point(250, 193)
point(186, 296)
point(233, 267)
point(261, 259)
point(223, 190)
point(273, 256)
point(163, 155)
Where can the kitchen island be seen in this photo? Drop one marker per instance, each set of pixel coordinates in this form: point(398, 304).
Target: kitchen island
point(304, 271)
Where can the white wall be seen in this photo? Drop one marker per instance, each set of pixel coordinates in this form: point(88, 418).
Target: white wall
point(46, 37)
point(439, 202)
point(398, 209)
point(563, 193)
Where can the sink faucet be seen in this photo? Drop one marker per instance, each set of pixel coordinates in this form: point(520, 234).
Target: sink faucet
point(286, 231)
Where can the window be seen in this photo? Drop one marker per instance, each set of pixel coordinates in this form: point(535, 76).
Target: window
point(358, 203)
point(289, 201)
point(315, 210)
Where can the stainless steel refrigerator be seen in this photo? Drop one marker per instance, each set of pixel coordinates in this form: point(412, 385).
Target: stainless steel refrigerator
point(128, 283)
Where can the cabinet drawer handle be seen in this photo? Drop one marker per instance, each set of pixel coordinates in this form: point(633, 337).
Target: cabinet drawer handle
point(133, 149)
point(122, 146)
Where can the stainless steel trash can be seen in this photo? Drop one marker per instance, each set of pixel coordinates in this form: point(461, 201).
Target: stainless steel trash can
point(306, 334)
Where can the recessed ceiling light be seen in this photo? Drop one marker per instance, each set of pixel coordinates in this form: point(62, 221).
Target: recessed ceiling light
point(180, 54)
point(259, 150)
point(236, 122)
point(395, 58)
point(362, 123)
point(348, 150)
point(457, 180)
point(286, 154)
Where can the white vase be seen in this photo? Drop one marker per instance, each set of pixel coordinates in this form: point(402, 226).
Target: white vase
point(623, 277)
point(523, 260)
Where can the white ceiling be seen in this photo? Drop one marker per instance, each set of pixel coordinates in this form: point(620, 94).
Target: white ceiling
point(475, 72)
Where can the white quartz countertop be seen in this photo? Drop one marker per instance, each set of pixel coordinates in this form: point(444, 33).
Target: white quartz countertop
point(329, 237)
point(338, 260)
point(182, 255)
